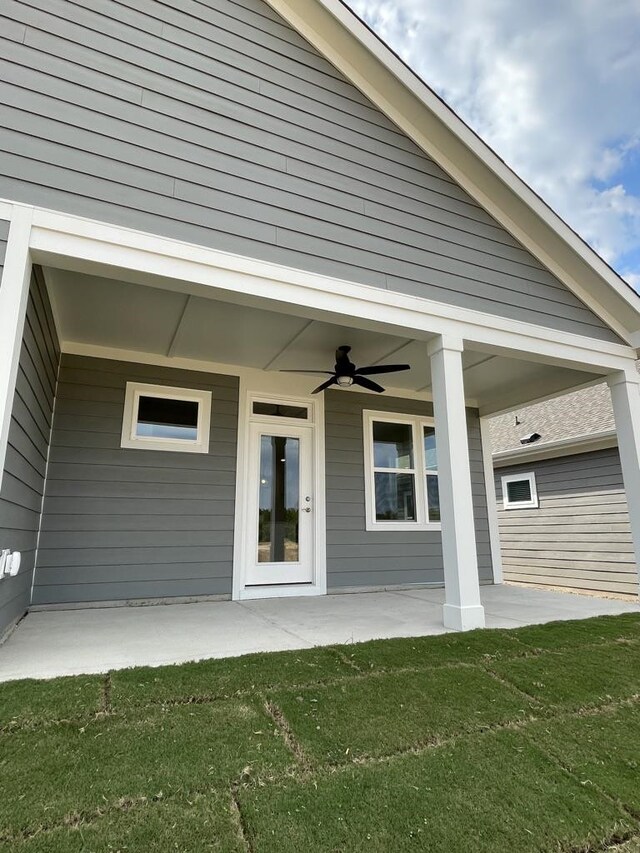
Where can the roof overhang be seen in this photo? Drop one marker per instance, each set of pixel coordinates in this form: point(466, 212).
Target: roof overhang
point(336, 32)
point(555, 449)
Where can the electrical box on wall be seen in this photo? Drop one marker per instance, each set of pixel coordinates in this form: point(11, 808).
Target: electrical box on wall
point(9, 563)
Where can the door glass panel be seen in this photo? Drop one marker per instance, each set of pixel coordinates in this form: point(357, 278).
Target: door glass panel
point(395, 497)
point(279, 507)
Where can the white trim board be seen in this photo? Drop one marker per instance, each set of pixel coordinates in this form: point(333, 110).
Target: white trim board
point(85, 245)
point(14, 296)
point(492, 505)
point(277, 386)
point(130, 439)
point(333, 29)
point(419, 472)
point(554, 449)
point(523, 477)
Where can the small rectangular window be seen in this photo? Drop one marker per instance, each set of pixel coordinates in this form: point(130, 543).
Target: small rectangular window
point(401, 474)
point(280, 410)
point(157, 417)
point(519, 491)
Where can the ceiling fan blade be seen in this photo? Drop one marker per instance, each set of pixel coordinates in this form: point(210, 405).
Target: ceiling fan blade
point(314, 372)
point(382, 368)
point(368, 384)
point(325, 385)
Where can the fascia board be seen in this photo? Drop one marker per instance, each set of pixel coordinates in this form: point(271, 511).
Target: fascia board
point(555, 449)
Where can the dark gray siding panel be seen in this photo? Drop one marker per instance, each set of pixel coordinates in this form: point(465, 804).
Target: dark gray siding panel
point(123, 524)
point(25, 466)
point(580, 536)
point(357, 557)
point(216, 123)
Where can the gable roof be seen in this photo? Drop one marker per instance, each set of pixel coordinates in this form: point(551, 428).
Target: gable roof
point(579, 415)
point(333, 29)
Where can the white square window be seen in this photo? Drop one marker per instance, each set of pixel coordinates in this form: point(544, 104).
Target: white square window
point(157, 417)
point(401, 472)
point(519, 491)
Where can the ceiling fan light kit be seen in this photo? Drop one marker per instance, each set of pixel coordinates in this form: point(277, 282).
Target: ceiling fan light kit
point(345, 373)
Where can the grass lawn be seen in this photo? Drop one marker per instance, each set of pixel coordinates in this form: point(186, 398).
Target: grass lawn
point(488, 742)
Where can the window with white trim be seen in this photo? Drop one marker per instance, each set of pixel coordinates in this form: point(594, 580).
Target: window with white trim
point(519, 491)
point(401, 472)
point(157, 417)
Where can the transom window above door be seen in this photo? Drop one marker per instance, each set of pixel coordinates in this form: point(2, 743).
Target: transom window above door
point(157, 417)
point(401, 472)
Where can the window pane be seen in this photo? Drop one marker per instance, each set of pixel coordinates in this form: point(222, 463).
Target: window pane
point(433, 497)
point(162, 417)
point(280, 410)
point(431, 462)
point(392, 445)
point(519, 491)
point(395, 497)
point(279, 511)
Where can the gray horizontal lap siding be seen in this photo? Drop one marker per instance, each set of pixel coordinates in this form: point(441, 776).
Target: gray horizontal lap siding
point(216, 123)
point(122, 524)
point(25, 466)
point(357, 557)
point(580, 535)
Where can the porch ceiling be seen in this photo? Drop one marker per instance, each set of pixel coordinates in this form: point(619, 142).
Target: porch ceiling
point(118, 315)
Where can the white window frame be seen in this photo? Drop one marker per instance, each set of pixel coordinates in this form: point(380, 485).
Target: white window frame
point(417, 422)
point(130, 440)
point(533, 503)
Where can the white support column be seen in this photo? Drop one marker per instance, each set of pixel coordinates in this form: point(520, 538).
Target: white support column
point(492, 507)
point(625, 396)
point(462, 610)
point(14, 292)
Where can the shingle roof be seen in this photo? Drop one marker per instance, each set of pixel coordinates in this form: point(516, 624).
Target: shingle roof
point(580, 413)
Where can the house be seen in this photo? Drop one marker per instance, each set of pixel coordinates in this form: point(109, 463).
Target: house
point(562, 508)
point(199, 196)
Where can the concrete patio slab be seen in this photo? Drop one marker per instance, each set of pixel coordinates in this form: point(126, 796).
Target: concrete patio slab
point(69, 642)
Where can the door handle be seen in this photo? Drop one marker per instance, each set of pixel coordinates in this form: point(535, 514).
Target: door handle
point(306, 509)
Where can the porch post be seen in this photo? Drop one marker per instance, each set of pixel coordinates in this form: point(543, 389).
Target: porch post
point(462, 610)
point(14, 292)
point(625, 396)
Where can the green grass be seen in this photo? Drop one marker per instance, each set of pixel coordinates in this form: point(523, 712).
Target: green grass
point(480, 794)
point(27, 701)
point(71, 768)
point(200, 822)
point(496, 741)
point(575, 677)
point(601, 751)
point(214, 679)
point(381, 715)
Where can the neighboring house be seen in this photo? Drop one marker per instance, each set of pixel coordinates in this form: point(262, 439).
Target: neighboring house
point(195, 196)
point(562, 508)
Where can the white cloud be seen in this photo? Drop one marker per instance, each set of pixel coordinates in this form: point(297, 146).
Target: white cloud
point(554, 88)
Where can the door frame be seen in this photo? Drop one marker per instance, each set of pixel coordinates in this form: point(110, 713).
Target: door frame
point(267, 387)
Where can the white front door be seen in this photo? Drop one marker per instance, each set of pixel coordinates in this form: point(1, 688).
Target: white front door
point(280, 530)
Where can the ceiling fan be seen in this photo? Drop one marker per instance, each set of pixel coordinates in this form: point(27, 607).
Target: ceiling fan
point(345, 373)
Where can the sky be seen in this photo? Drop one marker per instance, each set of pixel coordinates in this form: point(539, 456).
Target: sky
point(553, 86)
